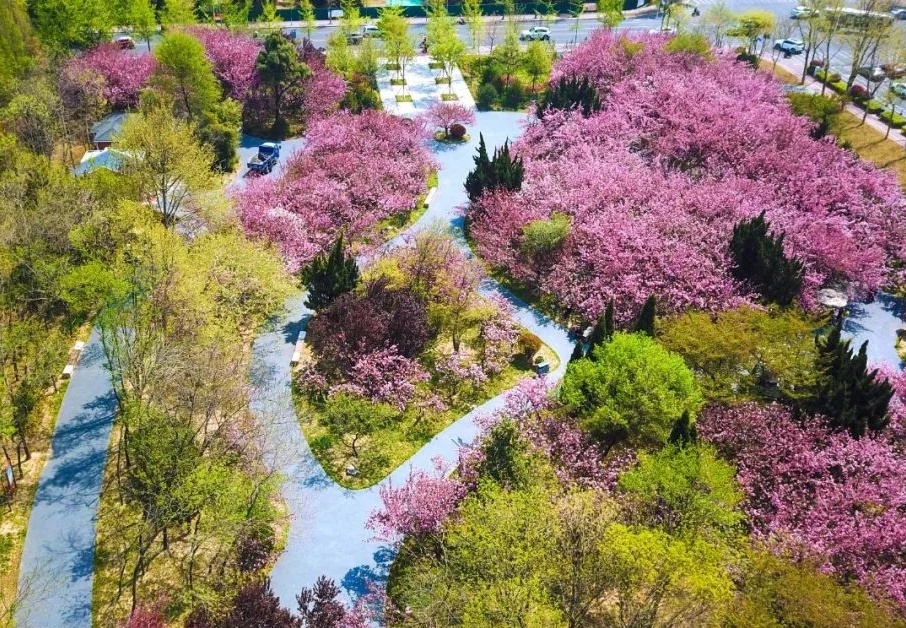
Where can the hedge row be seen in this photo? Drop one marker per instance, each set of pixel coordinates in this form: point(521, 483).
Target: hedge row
point(859, 96)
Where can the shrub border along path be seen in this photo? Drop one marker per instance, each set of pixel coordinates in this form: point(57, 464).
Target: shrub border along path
point(327, 534)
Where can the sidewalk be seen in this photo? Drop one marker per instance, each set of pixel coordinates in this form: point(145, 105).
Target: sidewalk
point(421, 86)
point(813, 86)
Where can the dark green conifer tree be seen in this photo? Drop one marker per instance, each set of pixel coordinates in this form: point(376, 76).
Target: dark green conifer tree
point(847, 393)
point(603, 329)
point(570, 94)
point(329, 276)
point(683, 432)
point(503, 171)
point(759, 261)
point(645, 322)
point(578, 352)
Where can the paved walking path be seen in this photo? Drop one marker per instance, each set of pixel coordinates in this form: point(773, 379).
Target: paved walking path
point(327, 534)
point(421, 87)
point(55, 574)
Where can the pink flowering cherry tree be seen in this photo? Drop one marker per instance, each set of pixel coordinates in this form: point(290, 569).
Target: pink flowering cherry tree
point(355, 171)
point(839, 500)
point(682, 150)
point(124, 74)
point(444, 114)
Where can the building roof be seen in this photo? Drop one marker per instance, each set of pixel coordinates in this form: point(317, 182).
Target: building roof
point(94, 159)
point(105, 130)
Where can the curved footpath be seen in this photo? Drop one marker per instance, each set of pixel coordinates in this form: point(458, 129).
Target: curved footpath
point(327, 534)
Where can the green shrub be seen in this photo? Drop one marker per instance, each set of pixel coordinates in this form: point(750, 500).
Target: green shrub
point(529, 344)
point(820, 75)
point(513, 96)
point(838, 86)
point(487, 97)
point(895, 120)
point(874, 106)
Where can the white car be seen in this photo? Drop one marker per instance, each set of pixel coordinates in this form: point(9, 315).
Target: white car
point(536, 33)
point(370, 30)
point(803, 12)
point(792, 46)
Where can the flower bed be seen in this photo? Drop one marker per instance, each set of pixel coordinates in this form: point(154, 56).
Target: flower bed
point(414, 348)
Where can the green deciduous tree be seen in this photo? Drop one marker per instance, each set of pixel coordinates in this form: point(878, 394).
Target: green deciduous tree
point(685, 491)
point(472, 14)
point(185, 74)
point(166, 160)
point(746, 352)
point(176, 12)
point(539, 58)
point(280, 69)
point(631, 390)
point(350, 418)
point(329, 276)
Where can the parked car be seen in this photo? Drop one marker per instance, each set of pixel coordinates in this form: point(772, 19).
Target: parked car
point(899, 14)
point(266, 159)
point(125, 42)
point(370, 30)
point(792, 46)
point(899, 89)
point(801, 12)
point(894, 70)
point(872, 73)
point(354, 38)
point(535, 33)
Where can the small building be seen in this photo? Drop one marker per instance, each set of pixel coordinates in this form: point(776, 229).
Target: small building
point(95, 159)
point(105, 130)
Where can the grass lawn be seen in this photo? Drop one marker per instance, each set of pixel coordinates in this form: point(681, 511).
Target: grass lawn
point(384, 451)
point(871, 146)
point(866, 141)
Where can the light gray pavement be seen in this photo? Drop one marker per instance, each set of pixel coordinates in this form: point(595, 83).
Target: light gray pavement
point(877, 322)
point(55, 574)
point(327, 534)
point(421, 87)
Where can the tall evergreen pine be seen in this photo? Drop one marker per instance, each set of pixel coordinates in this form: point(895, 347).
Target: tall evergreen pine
point(329, 276)
point(760, 262)
point(502, 172)
point(603, 329)
point(578, 352)
point(570, 94)
point(847, 393)
point(645, 322)
point(476, 179)
point(683, 432)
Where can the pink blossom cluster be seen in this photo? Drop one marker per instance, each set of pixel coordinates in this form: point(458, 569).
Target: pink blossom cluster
point(384, 376)
point(497, 335)
point(232, 56)
point(682, 150)
point(419, 507)
point(355, 171)
point(124, 74)
point(839, 499)
point(456, 371)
